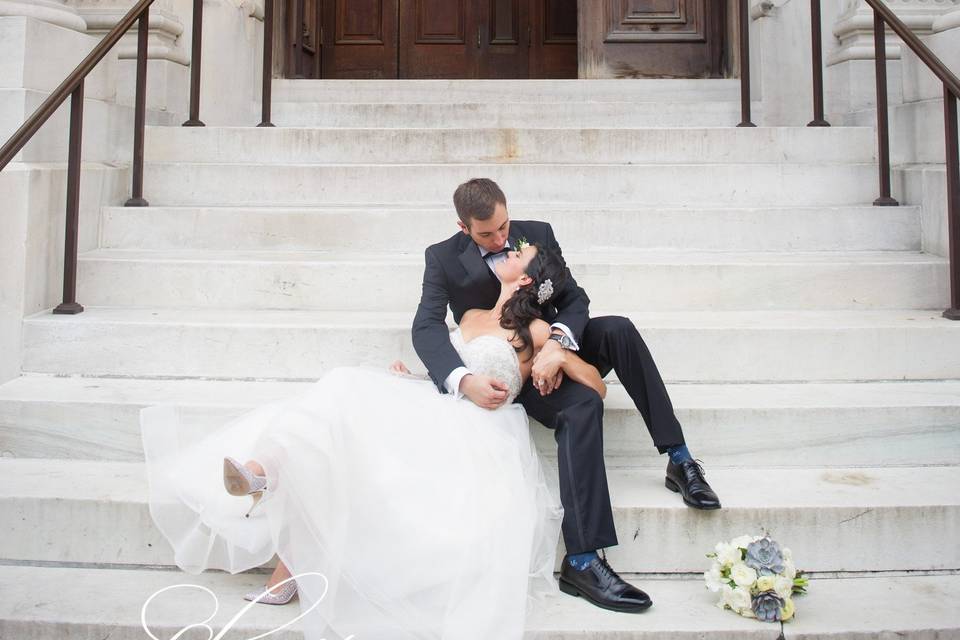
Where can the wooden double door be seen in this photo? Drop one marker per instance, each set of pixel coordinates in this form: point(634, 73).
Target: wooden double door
point(433, 38)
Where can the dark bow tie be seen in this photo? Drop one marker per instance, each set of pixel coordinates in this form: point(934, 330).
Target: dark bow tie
point(506, 249)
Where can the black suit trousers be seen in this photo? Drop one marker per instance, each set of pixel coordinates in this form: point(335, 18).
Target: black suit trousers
point(575, 413)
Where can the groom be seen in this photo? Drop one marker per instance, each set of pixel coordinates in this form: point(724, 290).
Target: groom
point(460, 272)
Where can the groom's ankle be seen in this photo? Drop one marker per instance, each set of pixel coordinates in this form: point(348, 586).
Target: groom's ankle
point(679, 453)
point(581, 561)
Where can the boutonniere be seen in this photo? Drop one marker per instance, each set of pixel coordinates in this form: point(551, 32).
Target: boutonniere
point(521, 243)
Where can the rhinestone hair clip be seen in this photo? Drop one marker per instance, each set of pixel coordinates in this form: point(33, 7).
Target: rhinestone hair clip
point(545, 291)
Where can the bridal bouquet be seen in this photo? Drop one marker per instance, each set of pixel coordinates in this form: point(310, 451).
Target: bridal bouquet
point(755, 577)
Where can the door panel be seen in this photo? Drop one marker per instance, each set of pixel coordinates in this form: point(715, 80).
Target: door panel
point(359, 39)
point(437, 39)
point(655, 21)
point(512, 38)
point(503, 35)
point(652, 38)
point(553, 51)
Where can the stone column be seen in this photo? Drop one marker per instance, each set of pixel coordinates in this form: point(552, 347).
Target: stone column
point(780, 62)
point(52, 11)
point(917, 127)
point(944, 41)
point(168, 51)
point(849, 74)
point(948, 20)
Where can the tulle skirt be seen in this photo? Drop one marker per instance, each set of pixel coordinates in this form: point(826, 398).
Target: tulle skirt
point(417, 515)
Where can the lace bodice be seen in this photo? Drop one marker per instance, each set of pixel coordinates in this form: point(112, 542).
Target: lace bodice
point(490, 356)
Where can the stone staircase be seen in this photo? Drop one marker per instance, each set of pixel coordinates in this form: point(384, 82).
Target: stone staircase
point(797, 326)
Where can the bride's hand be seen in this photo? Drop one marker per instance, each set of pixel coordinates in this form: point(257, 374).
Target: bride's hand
point(399, 367)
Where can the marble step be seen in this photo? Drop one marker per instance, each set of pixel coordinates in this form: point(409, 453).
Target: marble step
point(774, 228)
point(726, 425)
point(834, 519)
point(726, 184)
point(904, 607)
point(518, 115)
point(652, 280)
point(708, 346)
point(499, 91)
point(577, 145)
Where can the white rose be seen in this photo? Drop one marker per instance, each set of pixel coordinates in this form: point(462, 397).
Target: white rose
point(726, 594)
point(727, 554)
point(722, 602)
point(738, 600)
point(713, 579)
point(783, 586)
point(765, 583)
point(789, 570)
point(743, 575)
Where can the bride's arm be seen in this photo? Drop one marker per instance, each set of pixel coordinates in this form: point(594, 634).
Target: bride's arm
point(572, 365)
point(582, 371)
point(401, 369)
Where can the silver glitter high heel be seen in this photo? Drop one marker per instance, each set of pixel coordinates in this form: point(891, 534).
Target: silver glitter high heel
point(240, 481)
point(277, 595)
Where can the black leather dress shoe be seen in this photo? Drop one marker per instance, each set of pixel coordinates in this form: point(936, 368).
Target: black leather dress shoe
point(600, 585)
point(687, 479)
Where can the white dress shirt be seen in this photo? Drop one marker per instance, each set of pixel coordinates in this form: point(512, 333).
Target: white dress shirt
point(452, 383)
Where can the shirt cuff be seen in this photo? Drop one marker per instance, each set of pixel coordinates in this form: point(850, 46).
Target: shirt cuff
point(569, 334)
point(452, 382)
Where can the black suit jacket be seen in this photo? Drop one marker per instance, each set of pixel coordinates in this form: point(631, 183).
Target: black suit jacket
point(456, 274)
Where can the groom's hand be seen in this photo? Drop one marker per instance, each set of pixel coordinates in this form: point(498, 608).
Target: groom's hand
point(547, 371)
point(484, 391)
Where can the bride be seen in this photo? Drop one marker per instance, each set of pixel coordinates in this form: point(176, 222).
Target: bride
point(401, 512)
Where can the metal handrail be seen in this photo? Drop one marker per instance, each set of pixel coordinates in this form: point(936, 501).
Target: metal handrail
point(73, 87)
point(22, 135)
point(883, 16)
point(743, 17)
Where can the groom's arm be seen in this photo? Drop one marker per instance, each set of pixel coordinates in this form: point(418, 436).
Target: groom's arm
point(571, 300)
point(431, 338)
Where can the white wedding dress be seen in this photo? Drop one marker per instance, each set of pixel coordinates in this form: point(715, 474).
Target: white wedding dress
point(427, 516)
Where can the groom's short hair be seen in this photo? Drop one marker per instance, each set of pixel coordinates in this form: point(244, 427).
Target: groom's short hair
point(477, 198)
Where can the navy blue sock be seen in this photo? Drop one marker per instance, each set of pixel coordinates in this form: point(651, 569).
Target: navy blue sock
point(679, 453)
point(580, 561)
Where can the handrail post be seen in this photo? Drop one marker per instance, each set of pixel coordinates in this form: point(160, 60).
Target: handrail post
point(883, 130)
point(817, 42)
point(69, 304)
point(744, 65)
point(953, 199)
point(267, 64)
point(140, 113)
point(194, 120)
